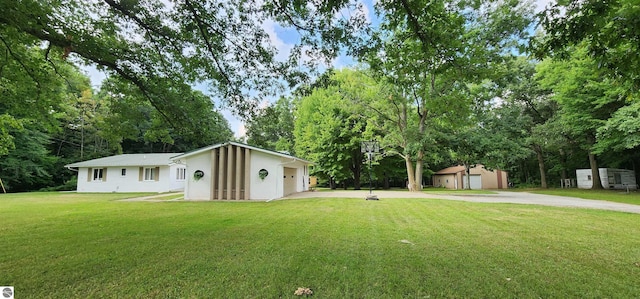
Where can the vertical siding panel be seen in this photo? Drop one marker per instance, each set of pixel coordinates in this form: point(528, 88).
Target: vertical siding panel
point(247, 173)
point(221, 160)
point(214, 171)
point(229, 174)
point(238, 174)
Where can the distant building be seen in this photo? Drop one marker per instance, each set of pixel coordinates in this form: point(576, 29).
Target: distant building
point(480, 178)
point(611, 178)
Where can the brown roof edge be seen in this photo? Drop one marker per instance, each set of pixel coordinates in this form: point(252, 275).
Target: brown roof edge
point(451, 170)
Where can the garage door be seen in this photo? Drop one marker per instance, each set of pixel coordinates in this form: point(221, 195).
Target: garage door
point(476, 181)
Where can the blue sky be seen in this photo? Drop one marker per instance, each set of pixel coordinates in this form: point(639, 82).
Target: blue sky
point(283, 39)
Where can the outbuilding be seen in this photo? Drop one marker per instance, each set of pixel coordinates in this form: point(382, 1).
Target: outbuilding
point(611, 178)
point(480, 178)
point(236, 171)
point(155, 172)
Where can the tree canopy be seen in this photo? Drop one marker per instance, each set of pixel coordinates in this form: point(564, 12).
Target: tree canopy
point(438, 82)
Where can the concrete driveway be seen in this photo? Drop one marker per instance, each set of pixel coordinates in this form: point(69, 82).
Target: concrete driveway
point(500, 197)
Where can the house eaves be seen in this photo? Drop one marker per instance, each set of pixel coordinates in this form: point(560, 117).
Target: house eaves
point(211, 147)
point(149, 159)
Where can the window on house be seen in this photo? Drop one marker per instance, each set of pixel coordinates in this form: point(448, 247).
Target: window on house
point(97, 174)
point(149, 174)
point(588, 177)
point(124, 172)
point(181, 174)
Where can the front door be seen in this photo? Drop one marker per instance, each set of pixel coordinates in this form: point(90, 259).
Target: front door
point(289, 182)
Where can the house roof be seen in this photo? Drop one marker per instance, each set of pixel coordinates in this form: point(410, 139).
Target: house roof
point(208, 148)
point(149, 159)
point(451, 170)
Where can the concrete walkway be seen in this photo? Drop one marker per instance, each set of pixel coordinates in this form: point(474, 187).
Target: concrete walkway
point(156, 197)
point(500, 197)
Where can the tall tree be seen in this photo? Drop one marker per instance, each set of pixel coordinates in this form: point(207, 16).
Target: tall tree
point(272, 127)
point(587, 98)
point(430, 50)
point(329, 127)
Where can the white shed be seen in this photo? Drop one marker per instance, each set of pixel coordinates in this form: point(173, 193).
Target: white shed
point(611, 178)
point(236, 171)
point(130, 173)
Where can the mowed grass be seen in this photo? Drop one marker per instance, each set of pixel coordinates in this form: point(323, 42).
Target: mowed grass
point(65, 245)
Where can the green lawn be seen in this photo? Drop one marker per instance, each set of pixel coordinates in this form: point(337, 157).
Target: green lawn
point(66, 245)
point(622, 196)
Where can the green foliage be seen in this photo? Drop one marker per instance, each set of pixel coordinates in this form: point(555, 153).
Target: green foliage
point(621, 131)
point(7, 122)
point(29, 166)
point(161, 49)
point(609, 30)
point(329, 127)
point(429, 52)
point(272, 127)
point(586, 96)
point(131, 120)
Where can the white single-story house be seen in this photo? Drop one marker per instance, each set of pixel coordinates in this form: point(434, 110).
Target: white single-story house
point(611, 178)
point(480, 178)
point(130, 173)
point(236, 171)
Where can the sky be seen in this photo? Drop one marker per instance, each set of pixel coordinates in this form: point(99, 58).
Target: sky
point(284, 40)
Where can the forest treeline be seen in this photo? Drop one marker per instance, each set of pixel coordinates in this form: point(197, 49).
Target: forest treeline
point(437, 83)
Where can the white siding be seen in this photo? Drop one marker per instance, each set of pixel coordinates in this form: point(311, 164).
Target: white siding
point(173, 172)
point(271, 186)
point(115, 182)
point(198, 189)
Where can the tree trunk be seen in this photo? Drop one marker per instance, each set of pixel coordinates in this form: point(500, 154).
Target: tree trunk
point(543, 174)
point(386, 182)
point(356, 169)
point(595, 174)
point(467, 171)
point(419, 170)
point(411, 184)
point(332, 183)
